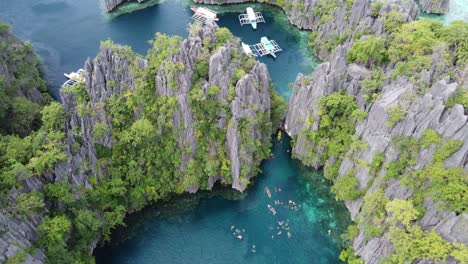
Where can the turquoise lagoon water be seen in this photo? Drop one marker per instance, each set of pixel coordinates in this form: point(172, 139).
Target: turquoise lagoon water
point(197, 228)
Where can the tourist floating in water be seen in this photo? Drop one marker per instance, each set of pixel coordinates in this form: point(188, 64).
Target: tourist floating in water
point(239, 237)
point(232, 227)
point(329, 232)
point(268, 192)
point(289, 234)
point(272, 210)
point(253, 248)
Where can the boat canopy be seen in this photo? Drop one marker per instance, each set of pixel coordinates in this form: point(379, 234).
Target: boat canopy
point(206, 12)
point(251, 15)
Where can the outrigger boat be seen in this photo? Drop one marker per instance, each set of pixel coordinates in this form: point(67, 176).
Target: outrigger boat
point(268, 192)
point(251, 18)
point(265, 47)
point(268, 46)
point(203, 14)
point(272, 210)
point(74, 77)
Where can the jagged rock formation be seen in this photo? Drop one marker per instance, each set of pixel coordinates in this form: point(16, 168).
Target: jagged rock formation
point(338, 27)
point(426, 111)
point(435, 6)
point(15, 56)
point(19, 77)
point(237, 87)
point(112, 4)
point(18, 234)
point(335, 22)
point(246, 104)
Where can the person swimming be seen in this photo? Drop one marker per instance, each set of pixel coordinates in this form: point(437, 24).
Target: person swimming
point(329, 232)
point(253, 248)
point(239, 237)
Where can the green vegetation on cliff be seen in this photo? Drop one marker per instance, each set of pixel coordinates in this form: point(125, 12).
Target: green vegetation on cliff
point(22, 90)
point(144, 163)
point(411, 47)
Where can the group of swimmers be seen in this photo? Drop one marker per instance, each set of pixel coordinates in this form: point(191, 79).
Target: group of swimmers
point(237, 233)
point(282, 226)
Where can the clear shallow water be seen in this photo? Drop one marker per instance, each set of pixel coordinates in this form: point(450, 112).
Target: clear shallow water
point(197, 228)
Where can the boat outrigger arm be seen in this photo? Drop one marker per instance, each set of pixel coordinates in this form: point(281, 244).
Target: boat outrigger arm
point(265, 47)
point(251, 18)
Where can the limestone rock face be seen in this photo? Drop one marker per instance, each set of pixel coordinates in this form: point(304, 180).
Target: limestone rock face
point(11, 68)
point(109, 73)
point(17, 234)
point(116, 73)
point(308, 14)
point(426, 111)
point(112, 4)
point(435, 6)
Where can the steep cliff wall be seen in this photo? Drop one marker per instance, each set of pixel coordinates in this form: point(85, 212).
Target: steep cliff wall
point(191, 113)
point(241, 93)
point(336, 22)
point(392, 111)
point(22, 90)
point(435, 6)
point(402, 108)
